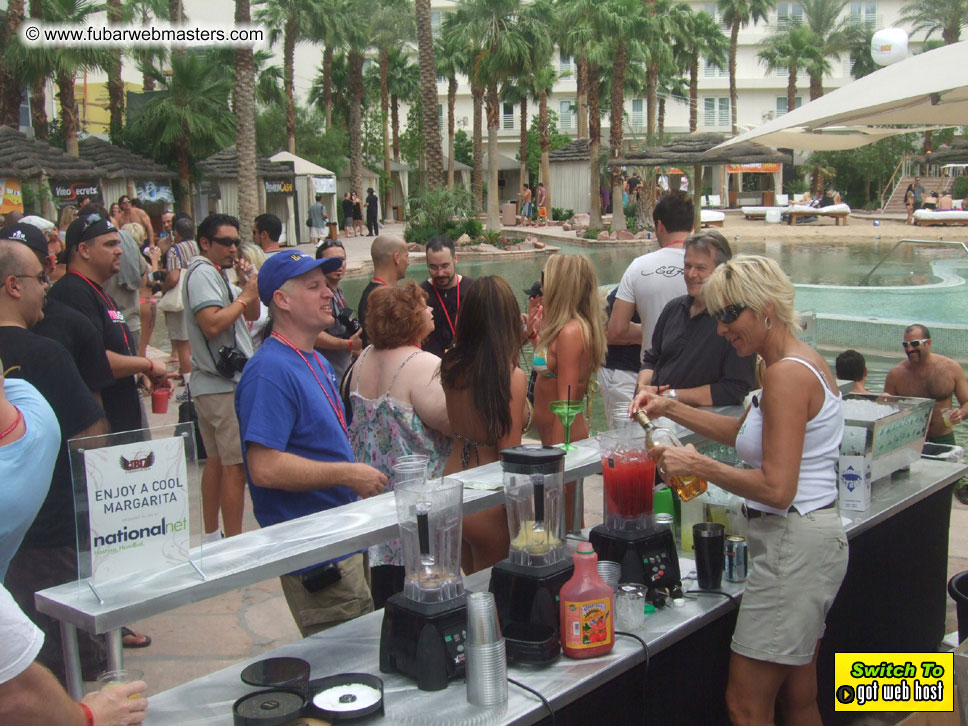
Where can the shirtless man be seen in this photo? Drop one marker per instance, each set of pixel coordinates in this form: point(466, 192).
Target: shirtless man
point(931, 375)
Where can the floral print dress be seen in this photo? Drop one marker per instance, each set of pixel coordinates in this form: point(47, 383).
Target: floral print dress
point(385, 429)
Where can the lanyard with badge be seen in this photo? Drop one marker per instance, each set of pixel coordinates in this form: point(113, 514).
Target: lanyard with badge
point(112, 308)
point(453, 330)
point(336, 409)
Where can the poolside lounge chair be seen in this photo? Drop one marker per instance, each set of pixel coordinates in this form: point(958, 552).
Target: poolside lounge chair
point(709, 218)
point(714, 200)
point(782, 200)
point(944, 218)
point(839, 213)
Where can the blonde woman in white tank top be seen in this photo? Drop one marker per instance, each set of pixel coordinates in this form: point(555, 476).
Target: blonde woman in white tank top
point(790, 437)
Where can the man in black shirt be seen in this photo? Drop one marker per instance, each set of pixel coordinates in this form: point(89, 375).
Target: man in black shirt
point(390, 260)
point(444, 290)
point(372, 213)
point(688, 360)
point(48, 554)
point(347, 205)
point(93, 255)
point(619, 373)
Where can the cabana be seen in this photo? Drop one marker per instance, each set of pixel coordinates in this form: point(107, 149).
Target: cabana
point(570, 176)
point(127, 173)
point(37, 165)
point(219, 191)
point(310, 180)
point(699, 150)
point(508, 177)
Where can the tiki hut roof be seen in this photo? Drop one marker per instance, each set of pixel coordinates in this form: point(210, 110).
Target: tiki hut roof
point(119, 163)
point(575, 151)
point(225, 165)
point(954, 153)
point(26, 158)
point(698, 148)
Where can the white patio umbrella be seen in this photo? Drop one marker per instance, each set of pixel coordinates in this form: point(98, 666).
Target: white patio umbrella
point(930, 88)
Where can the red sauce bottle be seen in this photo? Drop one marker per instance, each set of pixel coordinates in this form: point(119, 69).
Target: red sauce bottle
point(587, 607)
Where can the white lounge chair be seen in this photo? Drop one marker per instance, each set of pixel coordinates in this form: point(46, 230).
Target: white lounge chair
point(839, 213)
point(943, 218)
point(710, 218)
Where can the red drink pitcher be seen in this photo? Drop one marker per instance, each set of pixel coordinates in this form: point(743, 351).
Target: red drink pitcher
point(587, 607)
point(629, 476)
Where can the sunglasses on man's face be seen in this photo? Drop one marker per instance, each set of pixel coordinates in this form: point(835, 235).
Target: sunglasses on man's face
point(227, 241)
point(729, 313)
point(914, 344)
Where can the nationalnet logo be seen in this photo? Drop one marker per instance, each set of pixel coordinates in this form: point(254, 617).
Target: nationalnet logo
point(33, 33)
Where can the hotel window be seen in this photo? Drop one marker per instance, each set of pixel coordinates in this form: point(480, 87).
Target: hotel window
point(638, 117)
point(566, 64)
point(567, 117)
point(781, 104)
point(711, 70)
point(789, 15)
point(713, 10)
point(436, 16)
point(716, 112)
point(440, 117)
point(863, 13)
point(507, 120)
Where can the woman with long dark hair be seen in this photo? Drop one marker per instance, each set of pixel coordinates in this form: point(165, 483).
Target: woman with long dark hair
point(487, 403)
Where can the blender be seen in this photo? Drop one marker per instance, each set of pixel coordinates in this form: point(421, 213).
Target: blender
point(645, 550)
point(526, 584)
point(425, 626)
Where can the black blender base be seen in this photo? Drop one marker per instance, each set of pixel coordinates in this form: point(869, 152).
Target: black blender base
point(424, 641)
point(529, 595)
point(647, 556)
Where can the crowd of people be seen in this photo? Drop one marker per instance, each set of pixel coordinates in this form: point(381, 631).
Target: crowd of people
point(311, 406)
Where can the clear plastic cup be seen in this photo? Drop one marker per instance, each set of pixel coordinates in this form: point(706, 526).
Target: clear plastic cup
point(110, 680)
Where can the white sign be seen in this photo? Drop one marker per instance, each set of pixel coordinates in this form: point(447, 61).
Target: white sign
point(324, 184)
point(137, 498)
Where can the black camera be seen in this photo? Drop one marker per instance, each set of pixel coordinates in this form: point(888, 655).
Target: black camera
point(230, 361)
point(347, 318)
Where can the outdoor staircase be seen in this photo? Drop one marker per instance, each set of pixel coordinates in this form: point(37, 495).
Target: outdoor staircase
point(896, 202)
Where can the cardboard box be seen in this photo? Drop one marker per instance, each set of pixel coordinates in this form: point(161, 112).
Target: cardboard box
point(854, 476)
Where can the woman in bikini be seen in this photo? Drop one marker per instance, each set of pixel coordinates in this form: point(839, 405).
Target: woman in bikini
point(398, 405)
point(487, 404)
point(571, 341)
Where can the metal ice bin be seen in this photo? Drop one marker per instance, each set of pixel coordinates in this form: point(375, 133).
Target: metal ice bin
point(893, 442)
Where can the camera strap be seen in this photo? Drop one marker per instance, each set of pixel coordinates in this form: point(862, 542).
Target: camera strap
point(228, 287)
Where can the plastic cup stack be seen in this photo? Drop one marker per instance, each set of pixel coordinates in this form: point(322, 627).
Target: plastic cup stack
point(630, 606)
point(486, 661)
point(609, 572)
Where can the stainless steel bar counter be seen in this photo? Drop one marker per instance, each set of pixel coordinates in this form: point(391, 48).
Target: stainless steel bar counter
point(353, 647)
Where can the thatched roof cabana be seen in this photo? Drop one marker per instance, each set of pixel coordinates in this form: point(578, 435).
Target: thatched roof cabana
point(225, 165)
point(117, 162)
point(31, 159)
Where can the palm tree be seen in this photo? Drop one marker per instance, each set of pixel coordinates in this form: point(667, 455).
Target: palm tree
point(115, 84)
point(243, 101)
point(790, 48)
point(859, 49)
point(544, 79)
point(325, 28)
point(701, 38)
point(392, 24)
point(469, 63)
point(738, 14)
point(516, 91)
point(931, 16)
point(192, 121)
point(451, 56)
point(60, 63)
point(428, 94)
point(662, 22)
point(38, 89)
point(830, 30)
point(11, 89)
point(148, 59)
point(404, 82)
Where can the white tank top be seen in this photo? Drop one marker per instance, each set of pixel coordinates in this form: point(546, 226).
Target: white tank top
point(817, 483)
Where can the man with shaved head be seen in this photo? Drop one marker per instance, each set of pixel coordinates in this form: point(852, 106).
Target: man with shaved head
point(925, 374)
point(390, 259)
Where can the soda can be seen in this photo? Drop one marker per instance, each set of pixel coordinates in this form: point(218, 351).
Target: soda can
point(737, 561)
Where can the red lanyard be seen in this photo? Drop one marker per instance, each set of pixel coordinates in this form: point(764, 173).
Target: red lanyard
point(377, 279)
point(453, 331)
point(336, 409)
point(111, 305)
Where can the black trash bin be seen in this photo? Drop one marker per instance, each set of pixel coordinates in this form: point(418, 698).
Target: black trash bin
point(958, 589)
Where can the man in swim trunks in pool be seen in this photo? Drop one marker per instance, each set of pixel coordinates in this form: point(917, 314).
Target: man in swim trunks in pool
point(931, 375)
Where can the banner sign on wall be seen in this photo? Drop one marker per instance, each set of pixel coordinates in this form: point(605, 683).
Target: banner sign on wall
point(753, 168)
point(278, 186)
point(324, 184)
point(72, 192)
point(12, 196)
point(138, 507)
point(152, 192)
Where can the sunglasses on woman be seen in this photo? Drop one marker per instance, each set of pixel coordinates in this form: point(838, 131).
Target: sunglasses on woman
point(729, 313)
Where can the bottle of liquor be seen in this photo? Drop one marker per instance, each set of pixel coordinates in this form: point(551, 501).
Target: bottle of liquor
point(687, 487)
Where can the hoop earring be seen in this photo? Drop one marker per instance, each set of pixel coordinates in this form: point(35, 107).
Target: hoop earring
point(767, 323)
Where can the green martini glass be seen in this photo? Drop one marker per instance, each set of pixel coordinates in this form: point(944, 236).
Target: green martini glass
point(566, 412)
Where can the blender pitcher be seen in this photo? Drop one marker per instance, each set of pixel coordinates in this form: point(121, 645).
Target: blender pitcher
point(629, 478)
point(429, 516)
point(534, 496)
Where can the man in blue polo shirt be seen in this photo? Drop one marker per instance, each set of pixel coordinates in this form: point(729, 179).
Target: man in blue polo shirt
point(296, 451)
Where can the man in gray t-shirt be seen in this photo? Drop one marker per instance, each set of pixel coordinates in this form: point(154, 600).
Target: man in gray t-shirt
point(318, 220)
point(216, 312)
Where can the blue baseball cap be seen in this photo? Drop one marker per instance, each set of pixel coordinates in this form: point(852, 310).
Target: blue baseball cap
point(283, 266)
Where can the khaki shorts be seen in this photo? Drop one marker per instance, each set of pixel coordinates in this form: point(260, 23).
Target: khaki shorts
point(177, 327)
point(219, 426)
point(796, 566)
point(344, 600)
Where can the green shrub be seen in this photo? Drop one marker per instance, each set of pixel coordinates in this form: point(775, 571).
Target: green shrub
point(960, 189)
point(471, 227)
point(592, 233)
point(440, 209)
point(561, 215)
point(419, 233)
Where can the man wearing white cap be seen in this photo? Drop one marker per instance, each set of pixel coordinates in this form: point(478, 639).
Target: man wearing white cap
point(296, 451)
